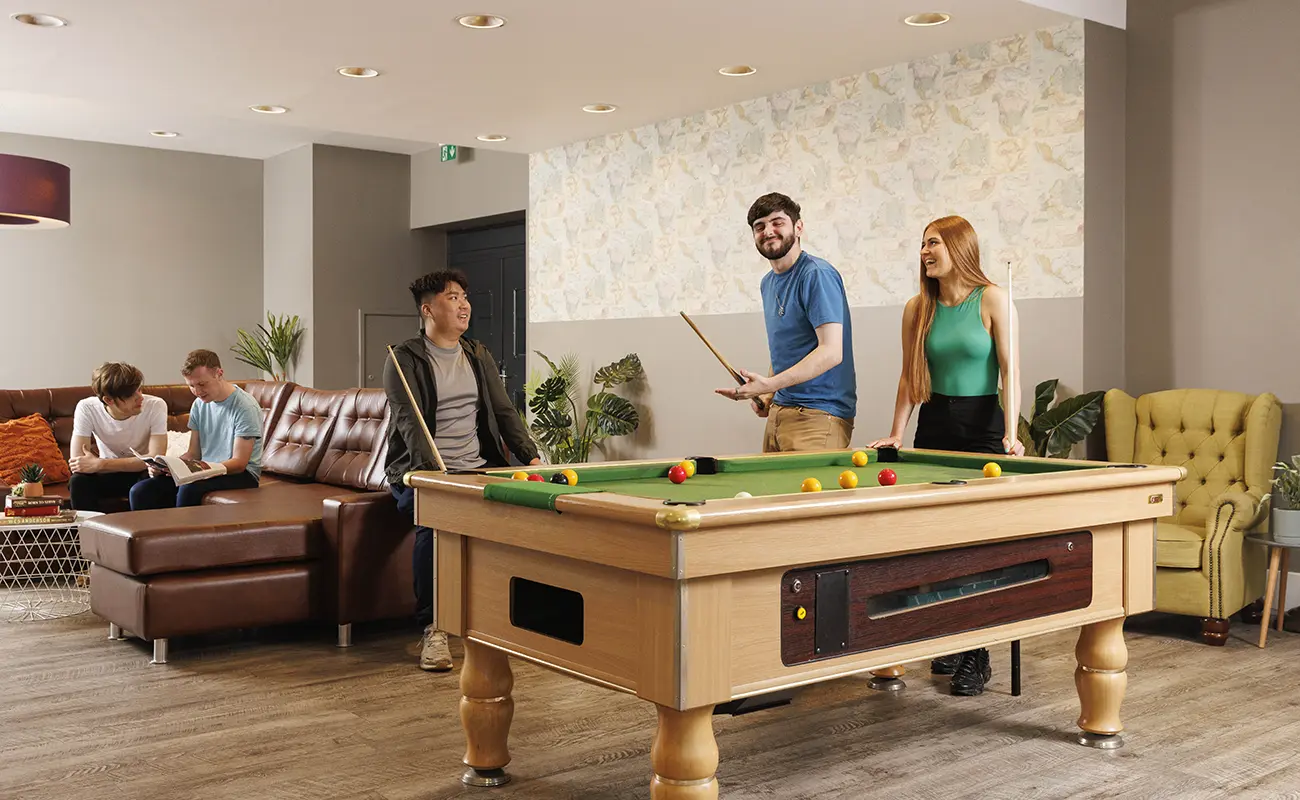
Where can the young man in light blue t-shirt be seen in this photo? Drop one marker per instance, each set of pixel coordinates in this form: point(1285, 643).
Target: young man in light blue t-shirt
point(225, 429)
point(810, 398)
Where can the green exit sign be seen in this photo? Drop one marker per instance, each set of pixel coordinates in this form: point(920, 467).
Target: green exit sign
point(448, 152)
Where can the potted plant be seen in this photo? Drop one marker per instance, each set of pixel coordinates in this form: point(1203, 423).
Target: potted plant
point(1286, 521)
point(30, 481)
point(1053, 431)
point(271, 344)
point(567, 436)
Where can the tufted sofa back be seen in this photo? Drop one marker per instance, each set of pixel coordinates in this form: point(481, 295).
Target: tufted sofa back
point(297, 445)
point(1225, 440)
point(355, 454)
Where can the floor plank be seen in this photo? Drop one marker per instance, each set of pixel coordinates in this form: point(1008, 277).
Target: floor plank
point(284, 715)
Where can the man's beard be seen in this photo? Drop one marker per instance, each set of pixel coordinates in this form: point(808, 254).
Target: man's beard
point(783, 247)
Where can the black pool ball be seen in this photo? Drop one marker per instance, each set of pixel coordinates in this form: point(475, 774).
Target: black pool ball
point(560, 477)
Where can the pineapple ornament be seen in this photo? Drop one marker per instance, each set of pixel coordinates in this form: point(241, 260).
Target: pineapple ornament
point(31, 477)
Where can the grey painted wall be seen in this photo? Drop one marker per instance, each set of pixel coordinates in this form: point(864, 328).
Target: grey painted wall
point(288, 275)
point(164, 255)
point(486, 183)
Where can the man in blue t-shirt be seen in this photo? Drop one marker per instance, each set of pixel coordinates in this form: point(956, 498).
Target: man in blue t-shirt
point(225, 434)
point(810, 398)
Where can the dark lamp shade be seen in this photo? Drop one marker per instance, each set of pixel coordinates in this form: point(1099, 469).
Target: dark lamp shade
point(34, 194)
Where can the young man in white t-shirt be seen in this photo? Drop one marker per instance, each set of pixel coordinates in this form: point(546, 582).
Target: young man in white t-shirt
point(119, 418)
point(225, 428)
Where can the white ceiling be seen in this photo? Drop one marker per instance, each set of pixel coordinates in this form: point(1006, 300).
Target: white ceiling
point(122, 68)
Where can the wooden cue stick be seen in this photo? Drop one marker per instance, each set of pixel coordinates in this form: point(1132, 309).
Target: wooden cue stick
point(419, 416)
point(1012, 381)
point(740, 379)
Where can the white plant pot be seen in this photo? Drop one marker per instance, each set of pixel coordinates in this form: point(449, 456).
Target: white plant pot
point(1286, 526)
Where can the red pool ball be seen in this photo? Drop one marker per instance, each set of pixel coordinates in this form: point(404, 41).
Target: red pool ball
point(676, 473)
point(535, 477)
point(887, 477)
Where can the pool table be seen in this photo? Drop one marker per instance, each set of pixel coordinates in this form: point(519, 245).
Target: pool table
point(692, 598)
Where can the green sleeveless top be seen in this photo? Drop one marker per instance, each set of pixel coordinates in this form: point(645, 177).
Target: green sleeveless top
point(962, 356)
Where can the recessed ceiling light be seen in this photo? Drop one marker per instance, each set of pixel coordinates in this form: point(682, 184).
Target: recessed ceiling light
point(599, 108)
point(492, 137)
point(481, 21)
point(358, 72)
point(164, 134)
point(269, 109)
point(738, 71)
point(928, 19)
point(39, 20)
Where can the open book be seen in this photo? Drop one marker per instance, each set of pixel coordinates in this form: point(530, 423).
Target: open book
point(182, 470)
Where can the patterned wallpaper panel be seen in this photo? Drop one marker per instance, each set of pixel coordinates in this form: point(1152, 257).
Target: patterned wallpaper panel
point(651, 221)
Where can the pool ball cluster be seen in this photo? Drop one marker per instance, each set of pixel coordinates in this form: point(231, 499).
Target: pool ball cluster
point(566, 477)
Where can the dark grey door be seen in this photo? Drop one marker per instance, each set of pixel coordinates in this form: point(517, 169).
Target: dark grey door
point(494, 263)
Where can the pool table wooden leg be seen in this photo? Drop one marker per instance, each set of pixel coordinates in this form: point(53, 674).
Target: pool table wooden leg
point(1100, 680)
point(486, 710)
point(684, 755)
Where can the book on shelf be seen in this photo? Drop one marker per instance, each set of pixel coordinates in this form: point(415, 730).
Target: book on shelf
point(66, 515)
point(31, 506)
point(182, 470)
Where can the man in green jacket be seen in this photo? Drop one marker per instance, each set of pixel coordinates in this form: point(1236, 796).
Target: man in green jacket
point(458, 391)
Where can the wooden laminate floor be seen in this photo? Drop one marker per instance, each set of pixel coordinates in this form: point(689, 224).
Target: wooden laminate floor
point(285, 715)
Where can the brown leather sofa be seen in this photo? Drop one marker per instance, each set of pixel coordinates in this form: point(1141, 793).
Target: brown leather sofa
point(319, 540)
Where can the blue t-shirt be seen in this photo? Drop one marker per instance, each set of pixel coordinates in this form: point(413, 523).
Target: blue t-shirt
point(219, 423)
point(811, 294)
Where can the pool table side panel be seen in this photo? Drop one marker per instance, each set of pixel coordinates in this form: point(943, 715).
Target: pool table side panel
point(706, 639)
point(756, 665)
point(1140, 566)
point(449, 583)
point(789, 540)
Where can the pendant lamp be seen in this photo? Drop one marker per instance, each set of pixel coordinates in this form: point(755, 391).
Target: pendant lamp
point(34, 194)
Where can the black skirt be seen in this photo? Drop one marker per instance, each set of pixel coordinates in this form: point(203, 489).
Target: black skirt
point(966, 424)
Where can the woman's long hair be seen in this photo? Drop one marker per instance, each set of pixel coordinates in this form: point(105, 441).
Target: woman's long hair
point(964, 251)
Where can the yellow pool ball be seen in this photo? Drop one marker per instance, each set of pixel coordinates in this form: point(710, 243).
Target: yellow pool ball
point(848, 479)
point(519, 476)
point(992, 469)
point(689, 466)
point(810, 485)
point(571, 475)
point(743, 494)
point(859, 459)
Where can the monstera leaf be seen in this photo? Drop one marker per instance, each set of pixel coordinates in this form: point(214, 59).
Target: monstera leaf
point(611, 415)
point(1057, 430)
point(548, 395)
point(628, 368)
point(552, 426)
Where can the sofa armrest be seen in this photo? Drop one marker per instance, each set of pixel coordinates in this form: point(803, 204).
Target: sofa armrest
point(371, 545)
point(1232, 515)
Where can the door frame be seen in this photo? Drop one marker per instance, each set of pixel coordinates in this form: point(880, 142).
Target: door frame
point(362, 315)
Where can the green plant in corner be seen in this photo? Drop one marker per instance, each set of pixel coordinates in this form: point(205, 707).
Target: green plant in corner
point(565, 435)
point(1053, 430)
point(1287, 482)
point(275, 343)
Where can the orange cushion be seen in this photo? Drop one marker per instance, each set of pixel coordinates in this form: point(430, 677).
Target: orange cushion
point(28, 440)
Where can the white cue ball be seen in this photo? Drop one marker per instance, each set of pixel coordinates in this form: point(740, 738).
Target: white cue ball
point(744, 494)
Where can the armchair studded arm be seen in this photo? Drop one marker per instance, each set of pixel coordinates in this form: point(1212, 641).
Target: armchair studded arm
point(1225, 559)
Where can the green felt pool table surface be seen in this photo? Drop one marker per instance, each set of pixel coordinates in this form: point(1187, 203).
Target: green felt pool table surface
point(763, 475)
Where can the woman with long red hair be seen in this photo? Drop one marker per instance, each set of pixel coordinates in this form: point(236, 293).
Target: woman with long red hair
point(957, 344)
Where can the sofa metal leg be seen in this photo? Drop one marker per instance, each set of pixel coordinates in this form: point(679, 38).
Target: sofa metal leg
point(159, 651)
point(1214, 631)
point(345, 635)
point(114, 632)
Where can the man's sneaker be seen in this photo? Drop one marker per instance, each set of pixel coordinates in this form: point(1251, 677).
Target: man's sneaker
point(945, 665)
point(435, 656)
point(972, 673)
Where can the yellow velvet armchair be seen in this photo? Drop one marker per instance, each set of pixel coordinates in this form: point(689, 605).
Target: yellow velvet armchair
point(1228, 442)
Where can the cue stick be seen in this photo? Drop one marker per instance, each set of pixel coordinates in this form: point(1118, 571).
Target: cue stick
point(1011, 354)
point(419, 416)
point(740, 379)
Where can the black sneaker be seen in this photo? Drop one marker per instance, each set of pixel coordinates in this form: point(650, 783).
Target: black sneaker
point(972, 673)
point(945, 665)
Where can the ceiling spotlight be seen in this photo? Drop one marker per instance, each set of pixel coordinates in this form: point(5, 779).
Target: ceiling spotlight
point(39, 20)
point(481, 21)
point(164, 134)
point(492, 137)
point(268, 109)
point(358, 72)
point(599, 108)
point(927, 20)
point(738, 71)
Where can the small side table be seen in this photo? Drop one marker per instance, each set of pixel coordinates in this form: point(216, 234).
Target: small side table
point(42, 572)
point(1279, 564)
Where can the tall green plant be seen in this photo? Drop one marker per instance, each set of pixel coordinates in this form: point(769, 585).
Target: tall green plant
point(275, 343)
point(1054, 431)
point(567, 436)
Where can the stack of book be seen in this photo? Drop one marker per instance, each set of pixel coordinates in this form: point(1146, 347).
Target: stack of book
point(35, 510)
